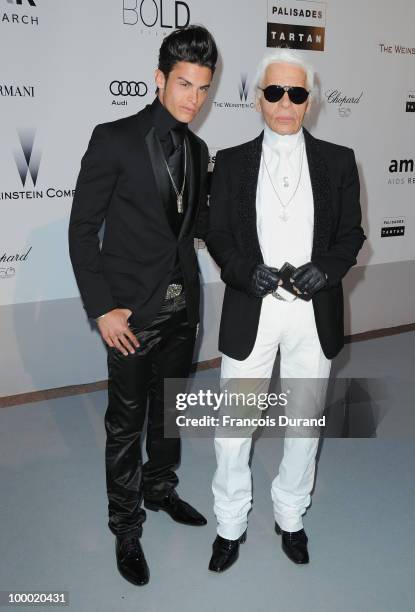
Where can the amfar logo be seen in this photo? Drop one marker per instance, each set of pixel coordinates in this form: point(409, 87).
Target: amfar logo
point(296, 24)
point(14, 18)
point(401, 166)
point(17, 91)
point(27, 159)
point(335, 96)
point(171, 14)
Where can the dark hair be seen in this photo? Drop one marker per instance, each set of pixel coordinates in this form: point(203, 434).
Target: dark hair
point(194, 44)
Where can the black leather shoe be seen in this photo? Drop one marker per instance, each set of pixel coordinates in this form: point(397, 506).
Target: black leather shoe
point(179, 510)
point(294, 544)
point(131, 561)
point(225, 553)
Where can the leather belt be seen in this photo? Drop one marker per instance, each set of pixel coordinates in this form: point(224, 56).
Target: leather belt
point(173, 291)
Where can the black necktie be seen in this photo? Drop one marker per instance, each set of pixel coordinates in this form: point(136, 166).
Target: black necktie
point(175, 160)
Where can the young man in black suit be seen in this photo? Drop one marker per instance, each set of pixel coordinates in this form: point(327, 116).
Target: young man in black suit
point(283, 197)
point(145, 176)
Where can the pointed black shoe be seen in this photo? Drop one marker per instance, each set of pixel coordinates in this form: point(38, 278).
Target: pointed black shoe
point(179, 510)
point(294, 544)
point(225, 553)
point(131, 561)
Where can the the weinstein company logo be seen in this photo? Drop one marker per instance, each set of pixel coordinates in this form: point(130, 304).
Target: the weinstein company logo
point(27, 158)
point(396, 49)
point(153, 16)
point(19, 18)
point(243, 90)
point(296, 24)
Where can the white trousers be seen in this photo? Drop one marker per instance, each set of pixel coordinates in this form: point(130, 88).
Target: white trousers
point(291, 327)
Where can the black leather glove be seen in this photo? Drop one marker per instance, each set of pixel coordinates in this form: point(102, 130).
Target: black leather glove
point(264, 280)
point(309, 279)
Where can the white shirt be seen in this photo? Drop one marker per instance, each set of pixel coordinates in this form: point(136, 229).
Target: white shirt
point(280, 240)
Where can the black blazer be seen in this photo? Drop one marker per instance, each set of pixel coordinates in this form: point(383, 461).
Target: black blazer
point(232, 238)
point(123, 181)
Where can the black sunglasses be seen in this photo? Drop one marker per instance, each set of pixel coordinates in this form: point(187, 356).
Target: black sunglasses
point(273, 93)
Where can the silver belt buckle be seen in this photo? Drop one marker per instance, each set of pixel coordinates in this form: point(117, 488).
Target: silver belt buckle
point(278, 296)
point(173, 290)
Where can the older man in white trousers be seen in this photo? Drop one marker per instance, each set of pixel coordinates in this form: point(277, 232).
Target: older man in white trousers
point(283, 197)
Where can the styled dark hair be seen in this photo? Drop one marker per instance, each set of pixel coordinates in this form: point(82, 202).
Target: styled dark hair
point(194, 44)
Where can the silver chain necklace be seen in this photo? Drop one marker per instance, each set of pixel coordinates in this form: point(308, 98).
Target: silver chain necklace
point(284, 216)
point(179, 195)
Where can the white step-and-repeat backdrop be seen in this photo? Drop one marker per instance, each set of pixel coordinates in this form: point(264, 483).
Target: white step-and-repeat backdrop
point(68, 66)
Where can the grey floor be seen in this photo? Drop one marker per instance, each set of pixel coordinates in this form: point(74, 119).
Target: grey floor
point(360, 526)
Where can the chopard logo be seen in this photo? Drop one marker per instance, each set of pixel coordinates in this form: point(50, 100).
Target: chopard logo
point(344, 102)
point(7, 271)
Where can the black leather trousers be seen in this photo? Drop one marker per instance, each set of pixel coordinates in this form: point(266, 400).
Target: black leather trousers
point(136, 381)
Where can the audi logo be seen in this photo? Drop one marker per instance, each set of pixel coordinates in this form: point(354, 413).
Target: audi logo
point(128, 88)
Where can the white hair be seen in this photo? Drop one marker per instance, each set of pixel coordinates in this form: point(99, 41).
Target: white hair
point(284, 56)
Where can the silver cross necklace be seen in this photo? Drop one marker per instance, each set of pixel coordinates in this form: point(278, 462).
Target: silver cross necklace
point(284, 215)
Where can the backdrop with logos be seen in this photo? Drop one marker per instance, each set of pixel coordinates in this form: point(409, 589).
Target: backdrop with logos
point(66, 69)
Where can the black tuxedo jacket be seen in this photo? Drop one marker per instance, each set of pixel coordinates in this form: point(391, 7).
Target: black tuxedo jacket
point(123, 180)
point(232, 238)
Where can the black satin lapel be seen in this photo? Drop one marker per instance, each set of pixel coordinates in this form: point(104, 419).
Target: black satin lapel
point(156, 154)
point(320, 183)
point(193, 177)
point(247, 198)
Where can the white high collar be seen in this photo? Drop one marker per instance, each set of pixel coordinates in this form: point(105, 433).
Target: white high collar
point(279, 142)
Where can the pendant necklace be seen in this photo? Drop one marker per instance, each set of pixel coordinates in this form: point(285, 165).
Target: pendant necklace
point(179, 194)
point(283, 215)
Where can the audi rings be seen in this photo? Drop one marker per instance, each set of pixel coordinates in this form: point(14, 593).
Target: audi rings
point(128, 88)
